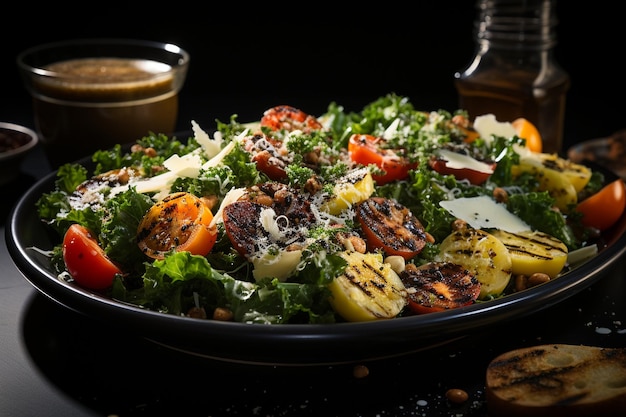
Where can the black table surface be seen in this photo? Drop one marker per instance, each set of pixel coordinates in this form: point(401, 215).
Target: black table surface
point(58, 362)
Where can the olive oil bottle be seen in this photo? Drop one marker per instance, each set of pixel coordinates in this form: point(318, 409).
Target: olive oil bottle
point(514, 72)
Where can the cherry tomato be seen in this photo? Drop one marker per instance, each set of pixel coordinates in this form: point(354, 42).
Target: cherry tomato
point(368, 149)
point(181, 222)
point(605, 207)
point(86, 261)
point(473, 176)
point(289, 118)
point(391, 227)
point(439, 286)
point(526, 130)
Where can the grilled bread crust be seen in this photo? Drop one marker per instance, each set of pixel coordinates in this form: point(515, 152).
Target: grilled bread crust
point(557, 380)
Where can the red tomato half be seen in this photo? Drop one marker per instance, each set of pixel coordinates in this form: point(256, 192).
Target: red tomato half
point(370, 150)
point(473, 176)
point(86, 261)
point(605, 207)
point(290, 119)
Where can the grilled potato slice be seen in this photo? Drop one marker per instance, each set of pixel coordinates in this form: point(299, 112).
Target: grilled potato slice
point(368, 289)
point(562, 178)
point(481, 253)
point(579, 175)
point(353, 188)
point(555, 183)
point(534, 251)
point(280, 265)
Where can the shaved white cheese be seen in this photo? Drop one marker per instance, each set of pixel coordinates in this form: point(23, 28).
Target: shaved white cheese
point(156, 183)
point(92, 196)
point(217, 159)
point(456, 160)
point(184, 166)
point(266, 218)
point(159, 184)
point(578, 256)
point(487, 126)
point(484, 212)
point(391, 131)
point(210, 146)
point(188, 165)
point(326, 120)
point(230, 197)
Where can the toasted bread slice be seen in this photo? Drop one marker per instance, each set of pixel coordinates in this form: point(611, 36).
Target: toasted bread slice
point(557, 380)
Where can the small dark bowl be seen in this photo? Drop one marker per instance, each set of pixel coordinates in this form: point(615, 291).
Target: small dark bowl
point(15, 142)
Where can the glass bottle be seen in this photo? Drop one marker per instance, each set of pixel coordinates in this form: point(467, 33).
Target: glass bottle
point(514, 73)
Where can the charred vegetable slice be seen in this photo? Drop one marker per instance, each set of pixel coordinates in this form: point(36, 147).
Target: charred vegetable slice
point(391, 227)
point(439, 286)
point(534, 251)
point(368, 289)
point(561, 178)
point(181, 222)
point(483, 254)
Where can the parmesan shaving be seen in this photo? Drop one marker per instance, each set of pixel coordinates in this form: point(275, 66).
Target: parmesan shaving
point(390, 132)
point(483, 212)
point(219, 157)
point(266, 218)
point(184, 166)
point(188, 165)
point(210, 146)
point(456, 160)
point(487, 127)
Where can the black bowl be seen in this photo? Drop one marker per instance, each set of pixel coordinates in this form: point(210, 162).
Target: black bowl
point(15, 143)
point(298, 344)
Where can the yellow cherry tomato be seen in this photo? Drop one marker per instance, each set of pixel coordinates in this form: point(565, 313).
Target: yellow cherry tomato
point(526, 130)
point(181, 222)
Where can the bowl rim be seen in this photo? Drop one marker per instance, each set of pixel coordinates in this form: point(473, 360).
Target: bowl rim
point(23, 148)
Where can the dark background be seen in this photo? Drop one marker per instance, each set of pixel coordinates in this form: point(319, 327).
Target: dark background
point(245, 59)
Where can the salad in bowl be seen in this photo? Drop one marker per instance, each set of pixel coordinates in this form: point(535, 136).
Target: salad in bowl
point(344, 217)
